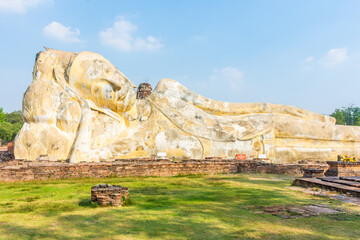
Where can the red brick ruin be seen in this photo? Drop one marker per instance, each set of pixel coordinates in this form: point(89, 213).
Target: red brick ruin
point(144, 90)
point(109, 195)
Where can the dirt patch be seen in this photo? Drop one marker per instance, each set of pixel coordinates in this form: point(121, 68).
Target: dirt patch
point(287, 212)
point(267, 179)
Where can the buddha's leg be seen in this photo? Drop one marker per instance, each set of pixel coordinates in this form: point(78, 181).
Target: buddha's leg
point(170, 88)
point(297, 139)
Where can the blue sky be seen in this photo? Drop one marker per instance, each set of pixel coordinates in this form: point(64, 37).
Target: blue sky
point(301, 53)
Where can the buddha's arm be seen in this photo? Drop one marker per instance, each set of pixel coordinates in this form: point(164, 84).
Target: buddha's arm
point(171, 87)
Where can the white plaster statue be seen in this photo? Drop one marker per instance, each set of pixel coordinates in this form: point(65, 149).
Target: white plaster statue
point(80, 107)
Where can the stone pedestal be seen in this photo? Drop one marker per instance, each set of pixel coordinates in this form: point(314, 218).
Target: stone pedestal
point(109, 195)
point(313, 172)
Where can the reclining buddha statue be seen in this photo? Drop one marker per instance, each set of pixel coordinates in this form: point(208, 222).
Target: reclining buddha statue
point(82, 108)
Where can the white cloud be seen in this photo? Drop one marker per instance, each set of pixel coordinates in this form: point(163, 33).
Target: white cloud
point(59, 32)
point(334, 56)
point(308, 63)
point(309, 59)
point(121, 37)
point(228, 75)
point(20, 6)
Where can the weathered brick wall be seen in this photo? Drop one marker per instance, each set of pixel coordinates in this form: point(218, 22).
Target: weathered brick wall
point(25, 170)
point(251, 166)
point(48, 170)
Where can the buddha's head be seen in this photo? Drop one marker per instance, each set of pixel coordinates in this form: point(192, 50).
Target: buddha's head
point(46, 61)
point(96, 79)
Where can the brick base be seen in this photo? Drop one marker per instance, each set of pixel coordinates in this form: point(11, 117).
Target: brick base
point(19, 170)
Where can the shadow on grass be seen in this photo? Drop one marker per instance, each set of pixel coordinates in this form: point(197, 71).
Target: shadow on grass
point(21, 232)
point(86, 202)
point(115, 223)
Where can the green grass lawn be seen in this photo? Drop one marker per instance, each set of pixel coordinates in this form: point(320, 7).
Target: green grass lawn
point(182, 207)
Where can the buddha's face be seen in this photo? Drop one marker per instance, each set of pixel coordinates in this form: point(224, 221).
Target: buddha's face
point(118, 95)
point(98, 80)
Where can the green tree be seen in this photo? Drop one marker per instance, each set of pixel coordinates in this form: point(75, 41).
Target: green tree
point(10, 125)
point(347, 116)
point(2, 115)
point(14, 117)
point(6, 132)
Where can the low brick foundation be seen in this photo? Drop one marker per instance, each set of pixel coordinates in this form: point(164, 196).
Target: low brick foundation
point(19, 170)
point(346, 185)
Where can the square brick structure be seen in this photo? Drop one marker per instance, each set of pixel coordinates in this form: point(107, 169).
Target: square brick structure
point(109, 195)
point(343, 169)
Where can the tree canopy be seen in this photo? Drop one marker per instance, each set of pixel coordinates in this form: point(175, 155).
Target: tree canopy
point(347, 116)
point(10, 125)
